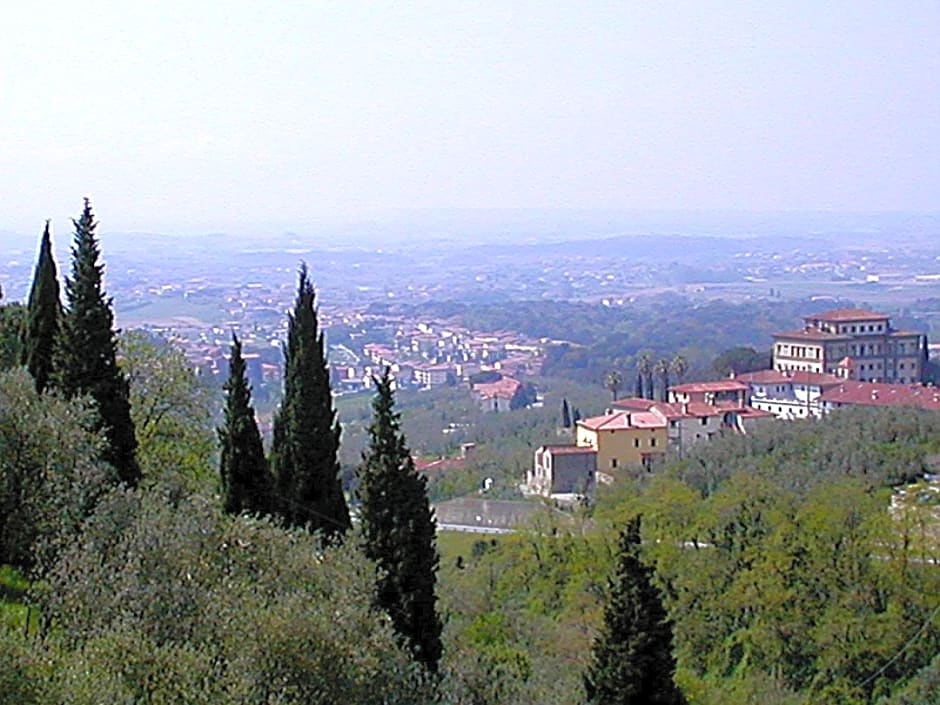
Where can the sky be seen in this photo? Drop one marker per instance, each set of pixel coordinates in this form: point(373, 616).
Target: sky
point(188, 117)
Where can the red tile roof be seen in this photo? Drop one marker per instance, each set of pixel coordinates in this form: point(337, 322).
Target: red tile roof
point(697, 408)
point(634, 404)
point(503, 388)
point(840, 315)
point(622, 420)
point(749, 412)
point(883, 394)
point(815, 379)
point(725, 385)
point(811, 334)
point(763, 377)
point(568, 450)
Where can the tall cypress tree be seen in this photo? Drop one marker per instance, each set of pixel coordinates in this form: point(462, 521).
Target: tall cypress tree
point(86, 350)
point(399, 530)
point(246, 482)
point(306, 432)
point(42, 318)
point(633, 663)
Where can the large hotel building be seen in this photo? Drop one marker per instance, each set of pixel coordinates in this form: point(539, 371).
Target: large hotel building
point(854, 344)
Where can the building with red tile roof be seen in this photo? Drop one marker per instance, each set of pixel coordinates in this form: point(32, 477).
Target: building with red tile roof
point(623, 438)
point(879, 394)
point(709, 392)
point(498, 395)
point(853, 343)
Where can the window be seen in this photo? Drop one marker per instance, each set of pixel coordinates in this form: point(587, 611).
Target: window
point(636, 442)
point(613, 462)
point(703, 421)
point(652, 442)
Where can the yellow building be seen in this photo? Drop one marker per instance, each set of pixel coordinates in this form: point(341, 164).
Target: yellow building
point(623, 438)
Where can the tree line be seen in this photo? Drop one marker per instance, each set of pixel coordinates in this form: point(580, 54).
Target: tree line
point(71, 353)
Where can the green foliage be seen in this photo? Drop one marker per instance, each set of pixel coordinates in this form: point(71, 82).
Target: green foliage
point(12, 325)
point(86, 360)
point(306, 432)
point(739, 360)
point(20, 672)
point(881, 446)
point(813, 591)
point(49, 478)
point(922, 689)
point(632, 656)
point(521, 614)
point(174, 601)
point(399, 531)
point(43, 312)
point(247, 485)
point(171, 409)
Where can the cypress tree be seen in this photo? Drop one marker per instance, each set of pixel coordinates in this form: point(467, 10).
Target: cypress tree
point(42, 318)
point(399, 531)
point(306, 432)
point(85, 356)
point(632, 662)
point(246, 483)
point(565, 414)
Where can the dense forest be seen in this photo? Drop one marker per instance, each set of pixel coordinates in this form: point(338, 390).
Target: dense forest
point(784, 567)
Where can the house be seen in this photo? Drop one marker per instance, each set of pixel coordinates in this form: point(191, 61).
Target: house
point(799, 394)
point(498, 395)
point(790, 394)
point(432, 375)
point(563, 470)
point(861, 341)
point(691, 422)
point(726, 390)
point(623, 438)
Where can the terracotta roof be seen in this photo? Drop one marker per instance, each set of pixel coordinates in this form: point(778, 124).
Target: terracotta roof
point(883, 394)
point(816, 379)
point(840, 315)
point(647, 419)
point(763, 377)
point(622, 420)
point(749, 412)
point(568, 450)
point(811, 334)
point(697, 408)
point(725, 385)
point(504, 388)
point(634, 404)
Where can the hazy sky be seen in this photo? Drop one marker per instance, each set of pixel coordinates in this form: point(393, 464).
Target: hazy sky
point(187, 116)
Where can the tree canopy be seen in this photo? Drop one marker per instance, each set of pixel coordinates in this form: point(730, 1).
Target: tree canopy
point(306, 431)
point(398, 529)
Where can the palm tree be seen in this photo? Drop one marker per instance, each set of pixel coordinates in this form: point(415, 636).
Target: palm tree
point(645, 368)
point(613, 380)
point(662, 371)
point(680, 367)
